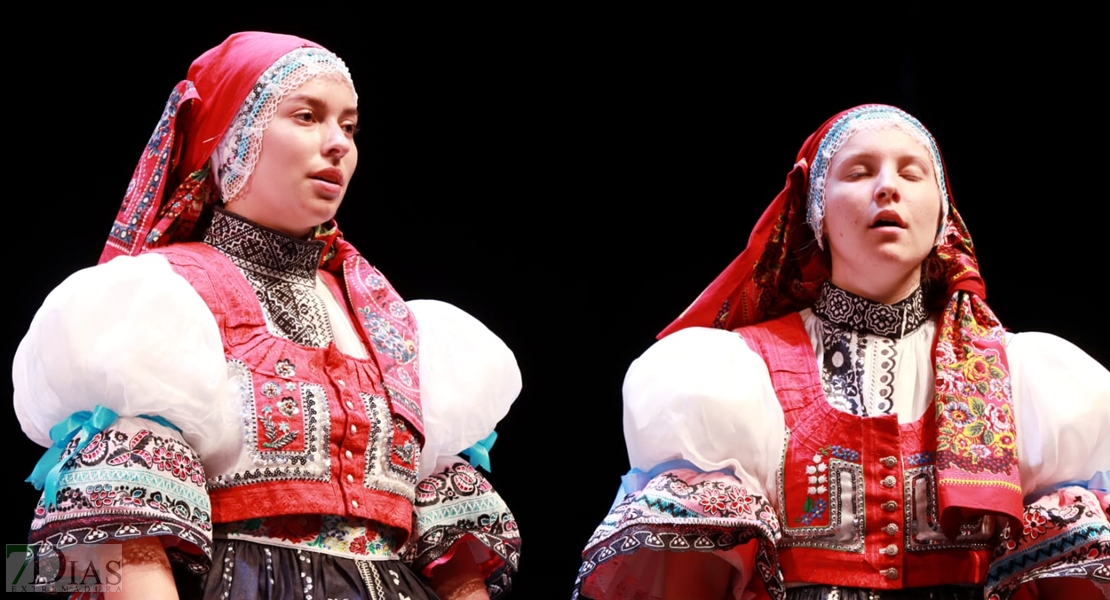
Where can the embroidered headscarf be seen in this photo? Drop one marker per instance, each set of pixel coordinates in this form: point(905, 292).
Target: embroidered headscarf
point(205, 147)
point(783, 267)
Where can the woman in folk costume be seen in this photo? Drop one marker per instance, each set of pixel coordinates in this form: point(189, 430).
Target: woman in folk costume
point(237, 388)
point(841, 415)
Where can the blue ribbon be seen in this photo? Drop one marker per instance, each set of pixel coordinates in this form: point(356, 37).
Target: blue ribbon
point(636, 480)
point(1099, 481)
point(49, 468)
point(479, 452)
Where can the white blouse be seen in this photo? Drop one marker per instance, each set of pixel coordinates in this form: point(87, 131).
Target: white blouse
point(704, 396)
point(134, 336)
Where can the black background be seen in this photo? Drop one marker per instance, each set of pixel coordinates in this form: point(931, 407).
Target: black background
point(574, 181)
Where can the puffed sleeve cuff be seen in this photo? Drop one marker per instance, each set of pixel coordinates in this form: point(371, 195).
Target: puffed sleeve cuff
point(136, 478)
point(702, 395)
point(133, 336)
point(683, 510)
point(468, 379)
point(459, 516)
point(1063, 533)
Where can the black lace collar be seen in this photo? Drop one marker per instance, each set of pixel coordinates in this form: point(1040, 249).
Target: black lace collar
point(847, 310)
point(262, 248)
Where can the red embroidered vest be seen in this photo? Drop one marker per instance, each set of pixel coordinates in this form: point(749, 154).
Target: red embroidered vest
point(320, 434)
point(857, 495)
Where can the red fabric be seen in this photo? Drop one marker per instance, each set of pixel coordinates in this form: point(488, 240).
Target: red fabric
point(341, 482)
point(818, 429)
point(171, 183)
point(781, 271)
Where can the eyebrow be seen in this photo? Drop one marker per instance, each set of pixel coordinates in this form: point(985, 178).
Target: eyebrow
point(318, 104)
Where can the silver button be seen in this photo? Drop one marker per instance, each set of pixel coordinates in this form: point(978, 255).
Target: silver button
point(349, 455)
point(354, 503)
point(890, 550)
point(354, 429)
point(890, 506)
point(351, 479)
point(891, 528)
point(891, 573)
point(342, 383)
point(350, 405)
point(888, 481)
point(888, 461)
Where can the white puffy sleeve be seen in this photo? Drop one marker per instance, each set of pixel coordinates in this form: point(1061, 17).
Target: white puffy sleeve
point(1062, 400)
point(133, 336)
point(704, 396)
point(468, 380)
point(705, 435)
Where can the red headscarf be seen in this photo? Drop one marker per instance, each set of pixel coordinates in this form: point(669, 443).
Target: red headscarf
point(781, 271)
point(173, 182)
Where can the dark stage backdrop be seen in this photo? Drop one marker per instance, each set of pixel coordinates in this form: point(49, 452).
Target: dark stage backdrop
point(574, 188)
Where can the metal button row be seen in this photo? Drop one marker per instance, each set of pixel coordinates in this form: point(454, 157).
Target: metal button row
point(888, 461)
point(890, 550)
point(888, 481)
point(890, 573)
point(890, 506)
point(891, 528)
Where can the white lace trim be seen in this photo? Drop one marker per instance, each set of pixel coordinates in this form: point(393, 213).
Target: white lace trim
point(234, 159)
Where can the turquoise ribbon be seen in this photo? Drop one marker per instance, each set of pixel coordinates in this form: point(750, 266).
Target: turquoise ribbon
point(49, 468)
point(479, 452)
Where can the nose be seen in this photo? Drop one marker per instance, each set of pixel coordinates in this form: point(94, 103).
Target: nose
point(337, 143)
point(886, 186)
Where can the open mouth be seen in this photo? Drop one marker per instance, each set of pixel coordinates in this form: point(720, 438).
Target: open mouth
point(888, 219)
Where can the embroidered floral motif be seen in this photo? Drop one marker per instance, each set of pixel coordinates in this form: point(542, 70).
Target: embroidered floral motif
point(386, 338)
point(458, 502)
point(681, 511)
point(288, 407)
point(285, 368)
point(133, 482)
point(816, 505)
point(1065, 533)
point(270, 389)
point(974, 435)
point(277, 436)
point(354, 538)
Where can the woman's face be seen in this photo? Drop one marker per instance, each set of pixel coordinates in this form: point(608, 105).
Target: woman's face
point(882, 210)
point(307, 158)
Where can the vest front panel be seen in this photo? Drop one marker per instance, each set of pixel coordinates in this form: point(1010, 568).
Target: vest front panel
point(857, 495)
point(319, 432)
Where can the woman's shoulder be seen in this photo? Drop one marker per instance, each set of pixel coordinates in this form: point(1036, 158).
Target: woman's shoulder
point(705, 396)
point(700, 361)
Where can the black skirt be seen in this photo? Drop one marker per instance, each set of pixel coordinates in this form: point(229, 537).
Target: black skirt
point(249, 571)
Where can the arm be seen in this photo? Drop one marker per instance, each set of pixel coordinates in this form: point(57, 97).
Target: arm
point(704, 432)
point(103, 338)
point(1062, 418)
point(466, 540)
